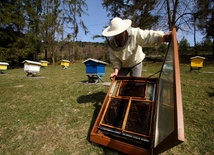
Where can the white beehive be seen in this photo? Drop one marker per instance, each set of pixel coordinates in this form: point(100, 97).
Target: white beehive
point(31, 67)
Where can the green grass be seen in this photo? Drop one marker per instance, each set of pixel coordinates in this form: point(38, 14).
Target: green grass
point(54, 113)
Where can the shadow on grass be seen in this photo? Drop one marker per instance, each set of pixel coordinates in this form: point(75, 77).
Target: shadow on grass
point(97, 99)
point(211, 92)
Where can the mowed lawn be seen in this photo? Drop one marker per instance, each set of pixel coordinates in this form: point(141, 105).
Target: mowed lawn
point(54, 112)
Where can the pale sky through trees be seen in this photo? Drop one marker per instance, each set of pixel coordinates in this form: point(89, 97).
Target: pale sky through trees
point(97, 19)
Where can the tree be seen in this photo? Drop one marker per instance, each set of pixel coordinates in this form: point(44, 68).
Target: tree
point(138, 11)
point(116, 8)
point(28, 27)
point(175, 13)
point(13, 44)
point(33, 37)
point(50, 26)
point(205, 15)
point(183, 46)
point(205, 47)
point(73, 10)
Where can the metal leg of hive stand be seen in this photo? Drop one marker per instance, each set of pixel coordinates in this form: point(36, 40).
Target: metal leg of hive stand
point(90, 79)
point(94, 78)
point(100, 78)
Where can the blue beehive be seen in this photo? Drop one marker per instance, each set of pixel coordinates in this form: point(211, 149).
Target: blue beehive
point(94, 66)
point(94, 69)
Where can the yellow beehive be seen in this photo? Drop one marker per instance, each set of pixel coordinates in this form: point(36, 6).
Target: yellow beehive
point(65, 63)
point(196, 63)
point(44, 63)
point(3, 66)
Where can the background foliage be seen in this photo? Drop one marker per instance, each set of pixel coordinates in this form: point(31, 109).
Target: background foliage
point(33, 29)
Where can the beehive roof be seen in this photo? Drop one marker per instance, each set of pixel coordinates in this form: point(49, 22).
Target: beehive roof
point(95, 60)
point(65, 60)
point(4, 63)
point(43, 61)
point(198, 57)
point(32, 62)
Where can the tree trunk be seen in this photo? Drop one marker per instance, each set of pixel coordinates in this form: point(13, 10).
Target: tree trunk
point(46, 54)
point(213, 48)
point(53, 58)
point(169, 14)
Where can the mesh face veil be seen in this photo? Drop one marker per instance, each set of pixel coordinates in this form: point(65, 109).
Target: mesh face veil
point(112, 42)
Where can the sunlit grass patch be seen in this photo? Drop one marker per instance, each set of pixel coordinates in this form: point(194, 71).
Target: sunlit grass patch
point(54, 113)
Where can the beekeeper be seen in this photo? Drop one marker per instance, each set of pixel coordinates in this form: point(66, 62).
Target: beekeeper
point(126, 44)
